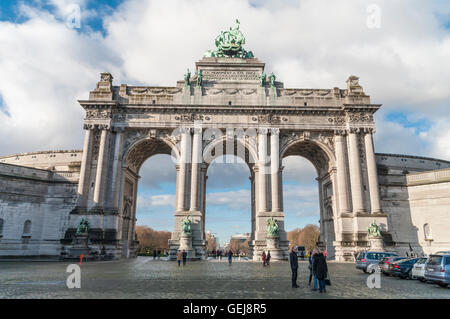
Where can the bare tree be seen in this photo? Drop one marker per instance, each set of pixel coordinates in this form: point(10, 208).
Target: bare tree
point(150, 239)
point(307, 236)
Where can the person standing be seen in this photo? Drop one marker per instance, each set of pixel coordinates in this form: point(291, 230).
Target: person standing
point(154, 254)
point(293, 260)
point(268, 258)
point(184, 256)
point(230, 256)
point(179, 257)
point(310, 267)
point(264, 258)
point(315, 250)
point(320, 270)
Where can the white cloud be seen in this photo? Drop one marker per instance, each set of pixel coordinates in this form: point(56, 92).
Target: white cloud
point(145, 202)
point(235, 200)
point(46, 66)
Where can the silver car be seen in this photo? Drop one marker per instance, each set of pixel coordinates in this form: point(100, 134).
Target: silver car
point(368, 261)
point(437, 269)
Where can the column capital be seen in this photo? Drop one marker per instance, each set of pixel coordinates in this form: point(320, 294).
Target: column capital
point(102, 127)
point(185, 130)
point(340, 132)
point(263, 130)
point(197, 130)
point(88, 126)
point(369, 130)
point(275, 131)
point(354, 130)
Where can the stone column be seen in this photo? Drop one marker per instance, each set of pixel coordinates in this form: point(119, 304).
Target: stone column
point(355, 172)
point(274, 168)
point(342, 173)
point(115, 184)
point(262, 160)
point(372, 173)
point(181, 187)
point(99, 187)
point(83, 184)
point(280, 187)
point(196, 162)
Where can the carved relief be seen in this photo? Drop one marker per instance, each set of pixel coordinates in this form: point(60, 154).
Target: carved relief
point(267, 119)
point(191, 117)
point(360, 117)
point(338, 120)
point(98, 114)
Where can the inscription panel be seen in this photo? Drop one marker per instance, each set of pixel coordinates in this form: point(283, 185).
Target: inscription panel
point(231, 75)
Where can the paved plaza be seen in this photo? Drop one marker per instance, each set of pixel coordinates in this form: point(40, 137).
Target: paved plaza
point(144, 277)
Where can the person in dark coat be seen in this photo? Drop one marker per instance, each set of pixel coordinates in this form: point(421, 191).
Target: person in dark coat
point(230, 256)
point(268, 258)
point(293, 260)
point(184, 257)
point(320, 269)
point(310, 267)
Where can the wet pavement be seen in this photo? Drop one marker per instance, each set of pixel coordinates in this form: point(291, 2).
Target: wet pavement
point(144, 277)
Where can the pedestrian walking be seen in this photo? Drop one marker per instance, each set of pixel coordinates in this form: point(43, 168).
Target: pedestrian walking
point(154, 254)
point(293, 260)
point(230, 256)
point(159, 254)
point(184, 256)
point(320, 270)
point(179, 257)
point(268, 258)
point(264, 258)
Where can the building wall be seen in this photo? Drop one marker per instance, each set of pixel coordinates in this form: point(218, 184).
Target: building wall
point(43, 197)
point(411, 199)
point(429, 200)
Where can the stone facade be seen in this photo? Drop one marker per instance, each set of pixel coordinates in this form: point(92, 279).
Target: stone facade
point(230, 111)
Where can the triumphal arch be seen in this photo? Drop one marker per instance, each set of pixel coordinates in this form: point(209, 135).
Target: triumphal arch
point(229, 105)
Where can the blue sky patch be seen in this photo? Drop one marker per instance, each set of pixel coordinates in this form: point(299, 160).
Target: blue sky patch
point(420, 124)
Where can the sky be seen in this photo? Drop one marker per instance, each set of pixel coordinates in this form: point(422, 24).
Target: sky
point(52, 53)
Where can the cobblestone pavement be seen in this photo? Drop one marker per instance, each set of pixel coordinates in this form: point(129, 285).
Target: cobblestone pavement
point(145, 278)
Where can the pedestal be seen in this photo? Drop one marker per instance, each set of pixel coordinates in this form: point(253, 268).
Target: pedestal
point(273, 245)
point(186, 245)
point(376, 243)
point(80, 246)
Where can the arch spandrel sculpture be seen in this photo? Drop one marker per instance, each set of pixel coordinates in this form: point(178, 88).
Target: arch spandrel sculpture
point(233, 109)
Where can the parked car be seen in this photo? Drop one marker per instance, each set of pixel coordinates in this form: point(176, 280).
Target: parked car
point(442, 252)
point(437, 269)
point(418, 270)
point(402, 268)
point(368, 261)
point(386, 262)
point(301, 252)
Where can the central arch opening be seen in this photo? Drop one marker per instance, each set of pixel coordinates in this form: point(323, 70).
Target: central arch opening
point(228, 217)
point(148, 197)
point(303, 160)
